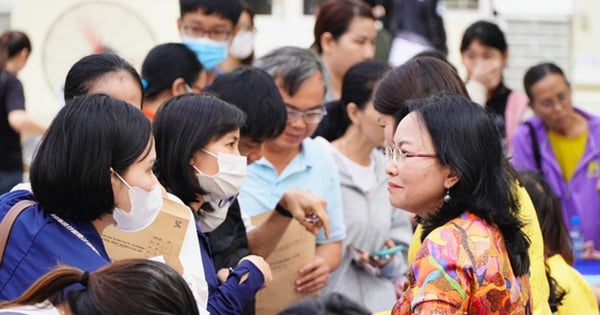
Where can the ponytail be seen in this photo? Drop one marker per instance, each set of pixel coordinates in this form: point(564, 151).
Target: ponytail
point(48, 287)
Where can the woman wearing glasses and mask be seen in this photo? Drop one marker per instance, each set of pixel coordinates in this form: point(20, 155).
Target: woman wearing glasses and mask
point(294, 160)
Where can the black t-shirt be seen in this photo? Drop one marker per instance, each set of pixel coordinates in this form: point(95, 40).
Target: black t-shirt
point(11, 98)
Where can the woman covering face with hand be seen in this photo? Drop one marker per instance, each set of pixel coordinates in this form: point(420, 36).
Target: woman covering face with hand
point(484, 54)
point(446, 166)
point(92, 169)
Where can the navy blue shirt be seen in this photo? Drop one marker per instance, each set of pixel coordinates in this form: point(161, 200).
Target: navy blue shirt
point(229, 297)
point(37, 243)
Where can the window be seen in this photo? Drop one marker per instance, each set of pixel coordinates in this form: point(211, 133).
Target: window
point(311, 6)
point(461, 4)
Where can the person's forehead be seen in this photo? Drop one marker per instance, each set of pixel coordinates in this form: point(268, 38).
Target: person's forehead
point(249, 142)
point(199, 17)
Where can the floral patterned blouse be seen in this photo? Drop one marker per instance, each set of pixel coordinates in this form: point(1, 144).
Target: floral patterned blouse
point(463, 268)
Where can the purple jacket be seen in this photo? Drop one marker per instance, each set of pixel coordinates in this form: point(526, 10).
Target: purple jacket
point(579, 196)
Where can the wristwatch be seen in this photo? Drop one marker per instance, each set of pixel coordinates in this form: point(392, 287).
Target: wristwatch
point(283, 211)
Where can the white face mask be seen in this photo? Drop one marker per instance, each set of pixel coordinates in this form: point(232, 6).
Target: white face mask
point(145, 206)
point(228, 181)
point(242, 45)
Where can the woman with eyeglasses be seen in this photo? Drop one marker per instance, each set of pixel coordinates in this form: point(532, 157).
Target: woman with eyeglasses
point(372, 223)
point(168, 70)
point(447, 167)
point(294, 160)
point(422, 77)
point(568, 147)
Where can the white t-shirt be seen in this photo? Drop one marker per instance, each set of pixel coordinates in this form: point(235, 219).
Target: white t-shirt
point(191, 261)
point(363, 176)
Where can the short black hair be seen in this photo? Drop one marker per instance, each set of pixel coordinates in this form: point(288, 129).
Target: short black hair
point(70, 172)
point(358, 87)
point(488, 33)
point(228, 9)
point(538, 72)
point(183, 125)
point(253, 91)
point(16, 41)
point(167, 62)
point(416, 78)
point(85, 72)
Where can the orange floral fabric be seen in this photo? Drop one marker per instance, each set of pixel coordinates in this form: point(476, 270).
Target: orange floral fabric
point(463, 268)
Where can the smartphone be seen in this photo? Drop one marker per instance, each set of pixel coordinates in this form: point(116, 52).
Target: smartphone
point(357, 261)
point(389, 251)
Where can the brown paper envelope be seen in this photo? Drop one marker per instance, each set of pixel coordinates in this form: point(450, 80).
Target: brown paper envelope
point(296, 248)
point(164, 237)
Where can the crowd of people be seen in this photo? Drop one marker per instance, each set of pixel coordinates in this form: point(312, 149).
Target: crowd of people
point(421, 192)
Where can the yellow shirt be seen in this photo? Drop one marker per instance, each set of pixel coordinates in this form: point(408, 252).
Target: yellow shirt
point(568, 151)
point(537, 271)
point(579, 299)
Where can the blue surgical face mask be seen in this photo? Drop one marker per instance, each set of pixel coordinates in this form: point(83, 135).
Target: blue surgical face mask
point(210, 53)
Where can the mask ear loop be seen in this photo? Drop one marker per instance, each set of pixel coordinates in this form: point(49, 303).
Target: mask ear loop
point(210, 153)
point(120, 178)
point(197, 170)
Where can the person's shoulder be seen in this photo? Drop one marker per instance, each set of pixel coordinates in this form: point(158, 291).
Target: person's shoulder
point(593, 120)
point(454, 236)
point(9, 199)
point(317, 152)
point(9, 79)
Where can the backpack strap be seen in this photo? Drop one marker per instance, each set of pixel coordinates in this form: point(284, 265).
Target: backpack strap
point(537, 156)
point(9, 220)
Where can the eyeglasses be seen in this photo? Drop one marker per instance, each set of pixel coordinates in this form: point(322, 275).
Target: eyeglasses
point(313, 116)
point(197, 32)
point(395, 155)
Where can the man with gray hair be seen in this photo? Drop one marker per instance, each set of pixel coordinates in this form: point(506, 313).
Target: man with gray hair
point(294, 160)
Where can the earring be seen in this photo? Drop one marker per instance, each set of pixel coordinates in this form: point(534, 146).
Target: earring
point(447, 197)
